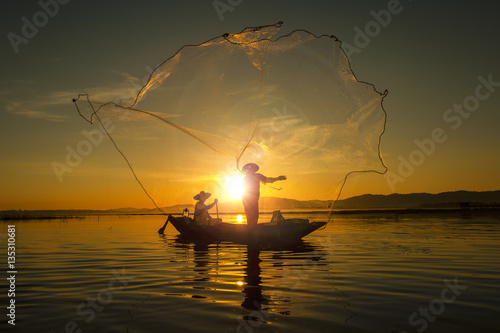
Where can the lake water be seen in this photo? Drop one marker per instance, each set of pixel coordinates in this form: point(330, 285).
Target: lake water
point(359, 274)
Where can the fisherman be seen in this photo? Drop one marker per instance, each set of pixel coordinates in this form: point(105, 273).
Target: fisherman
point(251, 185)
point(201, 215)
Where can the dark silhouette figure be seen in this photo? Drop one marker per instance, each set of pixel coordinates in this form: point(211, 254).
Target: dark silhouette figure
point(252, 290)
point(201, 260)
point(250, 198)
point(201, 215)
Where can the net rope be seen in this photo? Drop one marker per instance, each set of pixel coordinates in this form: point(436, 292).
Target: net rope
point(199, 103)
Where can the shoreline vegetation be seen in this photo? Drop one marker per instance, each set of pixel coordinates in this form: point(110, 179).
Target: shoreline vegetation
point(11, 215)
point(15, 215)
point(459, 202)
point(29, 215)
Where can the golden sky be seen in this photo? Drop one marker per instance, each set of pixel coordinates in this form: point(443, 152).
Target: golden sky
point(442, 76)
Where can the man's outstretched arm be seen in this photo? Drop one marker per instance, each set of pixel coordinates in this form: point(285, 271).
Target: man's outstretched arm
point(274, 179)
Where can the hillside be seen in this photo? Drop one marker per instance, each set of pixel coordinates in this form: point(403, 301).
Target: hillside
point(372, 201)
point(366, 201)
point(418, 200)
point(378, 201)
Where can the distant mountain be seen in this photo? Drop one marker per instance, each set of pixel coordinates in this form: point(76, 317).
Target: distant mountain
point(366, 201)
point(376, 201)
point(418, 200)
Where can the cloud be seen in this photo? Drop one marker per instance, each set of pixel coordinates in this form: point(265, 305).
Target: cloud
point(21, 99)
point(41, 115)
point(18, 81)
point(39, 107)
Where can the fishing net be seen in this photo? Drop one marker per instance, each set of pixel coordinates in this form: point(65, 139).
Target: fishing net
point(291, 104)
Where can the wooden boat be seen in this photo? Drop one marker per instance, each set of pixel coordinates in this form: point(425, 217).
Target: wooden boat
point(279, 231)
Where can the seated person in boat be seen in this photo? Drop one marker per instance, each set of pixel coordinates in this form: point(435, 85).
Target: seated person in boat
point(201, 215)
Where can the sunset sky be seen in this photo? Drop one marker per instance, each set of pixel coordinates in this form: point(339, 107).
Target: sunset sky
point(439, 62)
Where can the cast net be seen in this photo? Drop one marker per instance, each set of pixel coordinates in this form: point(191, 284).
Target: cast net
point(291, 104)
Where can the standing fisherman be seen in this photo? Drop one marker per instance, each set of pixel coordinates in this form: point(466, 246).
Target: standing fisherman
point(250, 198)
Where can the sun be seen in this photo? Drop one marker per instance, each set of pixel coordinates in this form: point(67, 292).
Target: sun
point(234, 187)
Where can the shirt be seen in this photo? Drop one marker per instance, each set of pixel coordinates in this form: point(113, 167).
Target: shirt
point(201, 215)
point(251, 183)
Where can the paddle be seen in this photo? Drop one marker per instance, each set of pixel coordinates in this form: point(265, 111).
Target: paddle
point(162, 229)
point(217, 208)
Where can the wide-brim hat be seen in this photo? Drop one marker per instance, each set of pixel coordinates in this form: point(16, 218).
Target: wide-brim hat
point(250, 167)
point(202, 194)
